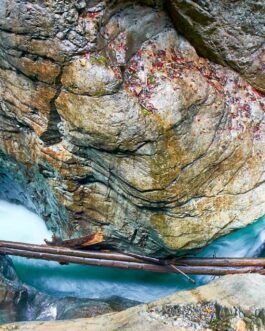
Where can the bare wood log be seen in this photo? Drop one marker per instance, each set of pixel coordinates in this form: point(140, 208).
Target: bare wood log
point(221, 262)
point(71, 252)
point(202, 270)
point(145, 258)
point(161, 262)
point(131, 257)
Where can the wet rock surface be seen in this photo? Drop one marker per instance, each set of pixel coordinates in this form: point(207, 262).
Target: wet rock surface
point(231, 303)
point(114, 123)
point(10, 291)
point(229, 32)
point(19, 302)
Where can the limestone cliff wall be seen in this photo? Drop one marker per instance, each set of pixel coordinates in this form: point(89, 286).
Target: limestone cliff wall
point(111, 120)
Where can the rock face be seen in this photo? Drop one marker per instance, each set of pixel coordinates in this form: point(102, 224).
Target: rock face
point(19, 302)
point(114, 123)
point(10, 292)
point(231, 303)
point(228, 32)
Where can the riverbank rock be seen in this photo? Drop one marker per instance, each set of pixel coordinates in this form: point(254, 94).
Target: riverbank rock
point(113, 123)
point(11, 293)
point(228, 32)
point(19, 302)
point(234, 302)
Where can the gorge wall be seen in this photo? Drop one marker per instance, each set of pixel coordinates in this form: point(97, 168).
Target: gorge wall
point(111, 120)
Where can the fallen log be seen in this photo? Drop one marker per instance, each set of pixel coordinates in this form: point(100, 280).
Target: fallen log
point(221, 262)
point(161, 262)
point(131, 257)
point(201, 270)
point(69, 252)
point(128, 257)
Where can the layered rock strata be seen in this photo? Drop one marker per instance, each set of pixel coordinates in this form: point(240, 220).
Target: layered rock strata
point(114, 123)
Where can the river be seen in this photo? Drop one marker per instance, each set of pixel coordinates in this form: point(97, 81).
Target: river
point(19, 224)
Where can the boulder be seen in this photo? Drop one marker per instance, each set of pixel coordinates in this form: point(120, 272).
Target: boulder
point(116, 124)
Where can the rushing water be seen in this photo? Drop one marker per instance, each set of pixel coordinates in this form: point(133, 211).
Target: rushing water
point(19, 224)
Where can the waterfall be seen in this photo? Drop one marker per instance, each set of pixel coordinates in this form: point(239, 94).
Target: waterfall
point(17, 223)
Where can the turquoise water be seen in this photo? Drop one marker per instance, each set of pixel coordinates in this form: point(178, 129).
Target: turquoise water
point(19, 224)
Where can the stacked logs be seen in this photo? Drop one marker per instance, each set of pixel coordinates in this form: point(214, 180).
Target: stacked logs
point(202, 266)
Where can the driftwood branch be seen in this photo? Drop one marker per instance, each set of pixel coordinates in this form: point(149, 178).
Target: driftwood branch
point(81, 242)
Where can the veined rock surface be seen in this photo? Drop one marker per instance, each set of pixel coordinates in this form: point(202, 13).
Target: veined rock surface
point(110, 120)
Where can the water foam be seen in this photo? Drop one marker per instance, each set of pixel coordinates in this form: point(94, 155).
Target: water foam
point(20, 224)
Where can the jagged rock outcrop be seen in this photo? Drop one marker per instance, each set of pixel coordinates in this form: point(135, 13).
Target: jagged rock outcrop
point(228, 32)
point(231, 303)
point(19, 302)
point(112, 122)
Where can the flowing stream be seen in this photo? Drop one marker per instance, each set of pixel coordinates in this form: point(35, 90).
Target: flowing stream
point(19, 224)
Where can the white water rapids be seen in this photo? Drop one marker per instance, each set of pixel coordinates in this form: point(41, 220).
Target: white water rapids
point(19, 224)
